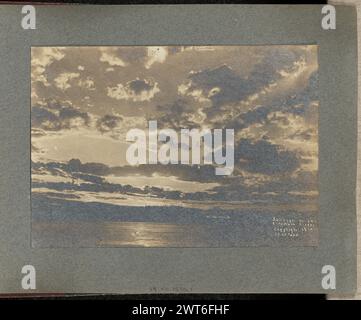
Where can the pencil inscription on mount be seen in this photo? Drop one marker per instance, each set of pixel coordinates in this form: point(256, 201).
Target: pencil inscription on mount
point(177, 146)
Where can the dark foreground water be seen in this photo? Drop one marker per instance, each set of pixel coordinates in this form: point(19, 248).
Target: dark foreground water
point(64, 223)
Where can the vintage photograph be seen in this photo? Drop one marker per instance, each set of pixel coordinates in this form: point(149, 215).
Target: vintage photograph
point(174, 146)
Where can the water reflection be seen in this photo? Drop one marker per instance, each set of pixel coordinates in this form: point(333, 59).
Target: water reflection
point(152, 234)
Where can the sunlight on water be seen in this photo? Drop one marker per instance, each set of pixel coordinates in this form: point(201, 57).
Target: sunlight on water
point(118, 234)
point(148, 234)
point(151, 234)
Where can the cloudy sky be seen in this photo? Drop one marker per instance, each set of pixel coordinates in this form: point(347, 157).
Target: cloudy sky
point(85, 99)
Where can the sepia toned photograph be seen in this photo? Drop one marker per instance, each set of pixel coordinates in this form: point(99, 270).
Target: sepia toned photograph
point(174, 146)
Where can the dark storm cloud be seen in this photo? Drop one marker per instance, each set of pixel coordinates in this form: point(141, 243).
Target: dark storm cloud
point(56, 116)
point(96, 186)
point(40, 115)
point(68, 113)
point(176, 115)
point(75, 165)
point(257, 115)
point(283, 189)
point(203, 173)
point(108, 123)
point(298, 104)
point(226, 88)
point(135, 90)
point(304, 181)
point(79, 172)
point(129, 54)
point(233, 87)
point(265, 158)
point(137, 86)
point(277, 190)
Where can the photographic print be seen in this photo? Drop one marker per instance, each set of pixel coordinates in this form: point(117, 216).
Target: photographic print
point(174, 146)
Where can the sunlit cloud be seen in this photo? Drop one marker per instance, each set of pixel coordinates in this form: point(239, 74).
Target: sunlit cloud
point(135, 90)
point(156, 55)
